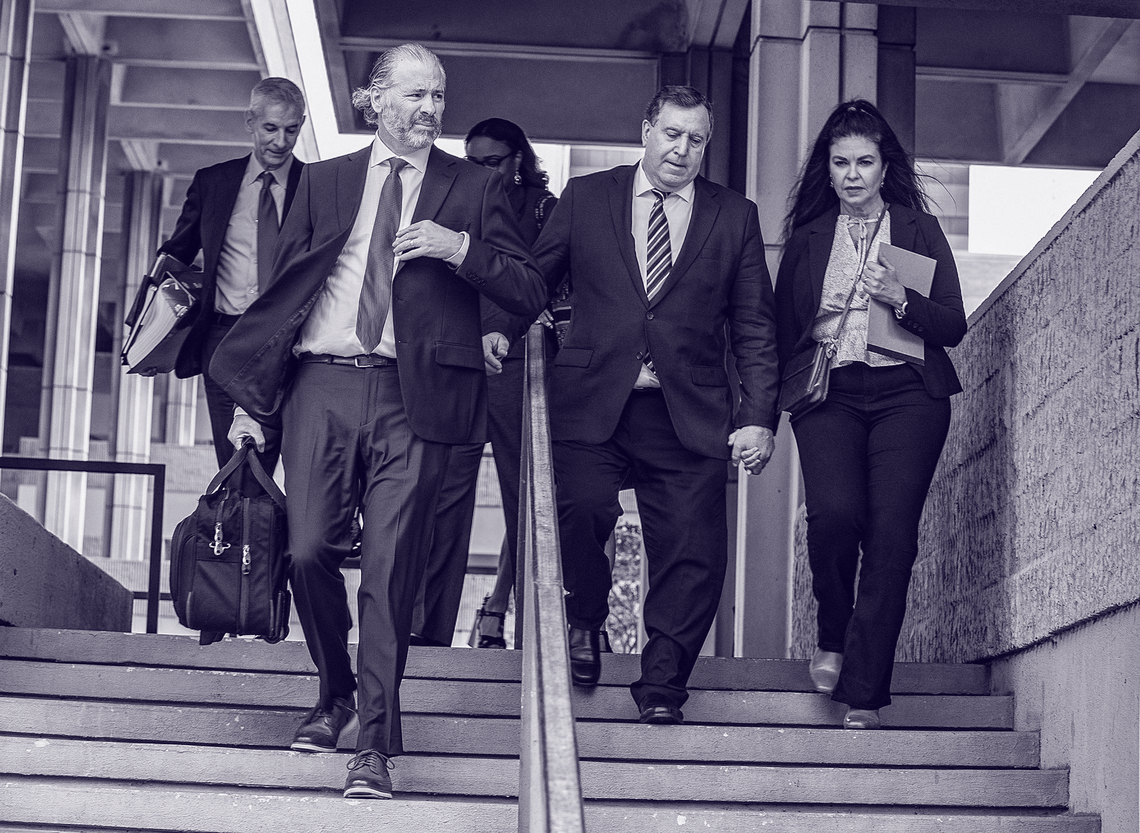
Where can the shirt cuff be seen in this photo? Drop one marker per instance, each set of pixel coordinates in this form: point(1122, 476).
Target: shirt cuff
point(456, 260)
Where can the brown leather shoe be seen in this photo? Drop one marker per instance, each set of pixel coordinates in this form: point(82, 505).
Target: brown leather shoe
point(585, 659)
point(323, 727)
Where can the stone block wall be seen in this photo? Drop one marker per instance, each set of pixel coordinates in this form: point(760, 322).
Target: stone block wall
point(1031, 525)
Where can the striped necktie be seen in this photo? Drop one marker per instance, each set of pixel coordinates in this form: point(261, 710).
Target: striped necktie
point(376, 291)
point(658, 257)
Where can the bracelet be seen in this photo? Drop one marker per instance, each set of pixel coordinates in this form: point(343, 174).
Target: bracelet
point(900, 312)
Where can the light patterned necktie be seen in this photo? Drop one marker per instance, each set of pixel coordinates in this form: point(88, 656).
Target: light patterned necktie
point(658, 257)
point(376, 291)
point(267, 227)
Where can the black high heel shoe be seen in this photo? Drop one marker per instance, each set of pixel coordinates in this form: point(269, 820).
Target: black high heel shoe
point(487, 632)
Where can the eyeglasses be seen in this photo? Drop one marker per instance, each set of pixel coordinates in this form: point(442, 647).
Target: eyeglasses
point(487, 161)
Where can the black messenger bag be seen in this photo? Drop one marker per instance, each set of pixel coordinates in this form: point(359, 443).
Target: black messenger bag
point(228, 570)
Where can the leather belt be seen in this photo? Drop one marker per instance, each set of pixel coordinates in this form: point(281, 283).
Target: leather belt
point(370, 360)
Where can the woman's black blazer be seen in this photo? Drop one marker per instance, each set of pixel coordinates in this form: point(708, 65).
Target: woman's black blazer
point(939, 320)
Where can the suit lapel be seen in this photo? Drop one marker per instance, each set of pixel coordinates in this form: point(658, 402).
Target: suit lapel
point(291, 185)
point(706, 207)
point(621, 212)
point(350, 186)
point(226, 196)
point(438, 178)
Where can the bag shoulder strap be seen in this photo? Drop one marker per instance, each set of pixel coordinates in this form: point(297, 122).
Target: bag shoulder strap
point(858, 273)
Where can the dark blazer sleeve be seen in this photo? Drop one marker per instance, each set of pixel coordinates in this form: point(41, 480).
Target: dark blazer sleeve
point(186, 241)
point(752, 329)
point(939, 319)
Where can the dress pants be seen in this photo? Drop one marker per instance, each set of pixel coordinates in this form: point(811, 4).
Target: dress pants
point(681, 498)
point(868, 455)
point(437, 604)
point(221, 406)
point(347, 443)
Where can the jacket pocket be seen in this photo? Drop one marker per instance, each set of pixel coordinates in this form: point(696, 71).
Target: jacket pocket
point(458, 355)
point(573, 357)
point(709, 375)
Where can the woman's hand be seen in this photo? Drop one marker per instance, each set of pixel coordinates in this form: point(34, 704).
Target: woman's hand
point(881, 282)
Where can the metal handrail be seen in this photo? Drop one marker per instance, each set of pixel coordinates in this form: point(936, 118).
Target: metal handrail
point(155, 470)
point(550, 792)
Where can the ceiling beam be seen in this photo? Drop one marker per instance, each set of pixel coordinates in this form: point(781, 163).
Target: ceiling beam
point(197, 9)
point(1129, 9)
point(1018, 147)
point(84, 32)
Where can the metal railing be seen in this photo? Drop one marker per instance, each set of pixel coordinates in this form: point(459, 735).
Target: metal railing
point(155, 470)
point(550, 792)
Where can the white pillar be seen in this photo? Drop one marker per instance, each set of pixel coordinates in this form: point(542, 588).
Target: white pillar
point(806, 58)
point(130, 501)
point(74, 294)
point(15, 46)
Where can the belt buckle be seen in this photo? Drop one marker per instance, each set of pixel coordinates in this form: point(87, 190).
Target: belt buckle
point(356, 360)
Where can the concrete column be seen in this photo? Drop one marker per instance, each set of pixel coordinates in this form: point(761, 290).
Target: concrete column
point(74, 293)
point(15, 47)
point(181, 409)
point(806, 58)
point(142, 214)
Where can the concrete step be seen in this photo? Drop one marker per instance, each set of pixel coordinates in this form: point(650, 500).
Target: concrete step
point(250, 655)
point(500, 699)
point(465, 775)
point(440, 734)
point(43, 803)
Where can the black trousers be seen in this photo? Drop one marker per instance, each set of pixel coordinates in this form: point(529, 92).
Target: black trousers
point(868, 455)
point(347, 444)
point(221, 406)
point(437, 604)
point(681, 499)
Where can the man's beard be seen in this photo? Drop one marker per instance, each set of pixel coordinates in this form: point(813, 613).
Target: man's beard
point(417, 134)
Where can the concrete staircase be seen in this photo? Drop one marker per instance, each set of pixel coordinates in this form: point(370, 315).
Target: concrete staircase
point(116, 731)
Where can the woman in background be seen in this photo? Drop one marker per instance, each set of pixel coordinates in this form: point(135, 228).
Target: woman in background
point(869, 451)
point(502, 145)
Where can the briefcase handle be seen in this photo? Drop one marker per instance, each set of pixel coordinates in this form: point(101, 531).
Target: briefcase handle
point(243, 456)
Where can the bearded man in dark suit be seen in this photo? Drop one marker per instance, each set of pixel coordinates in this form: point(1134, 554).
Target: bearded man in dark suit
point(374, 376)
point(232, 214)
point(662, 263)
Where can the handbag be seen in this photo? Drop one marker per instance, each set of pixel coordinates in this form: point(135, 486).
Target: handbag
point(228, 571)
point(164, 310)
point(807, 377)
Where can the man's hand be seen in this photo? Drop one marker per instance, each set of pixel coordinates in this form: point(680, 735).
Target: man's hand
point(426, 239)
point(495, 346)
point(752, 445)
point(246, 427)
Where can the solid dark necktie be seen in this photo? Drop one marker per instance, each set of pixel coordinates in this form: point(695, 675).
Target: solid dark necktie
point(267, 227)
point(658, 257)
point(376, 292)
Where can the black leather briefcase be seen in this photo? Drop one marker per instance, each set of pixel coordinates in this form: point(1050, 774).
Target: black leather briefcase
point(228, 571)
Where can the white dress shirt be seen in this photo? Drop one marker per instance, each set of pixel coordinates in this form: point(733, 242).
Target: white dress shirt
point(236, 273)
point(330, 328)
point(678, 211)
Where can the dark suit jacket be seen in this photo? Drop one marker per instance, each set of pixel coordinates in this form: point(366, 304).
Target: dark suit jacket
point(719, 282)
point(939, 319)
point(202, 227)
point(435, 308)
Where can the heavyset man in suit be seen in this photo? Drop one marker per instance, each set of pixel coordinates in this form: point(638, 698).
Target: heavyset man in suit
point(662, 262)
point(232, 214)
point(374, 376)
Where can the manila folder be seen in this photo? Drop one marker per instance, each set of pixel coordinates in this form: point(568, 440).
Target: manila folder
point(884, 333)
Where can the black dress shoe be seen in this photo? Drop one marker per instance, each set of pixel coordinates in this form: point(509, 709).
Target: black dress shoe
point(585, 661)
point(323, 727)
point(656, 709)
point(368, 775)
